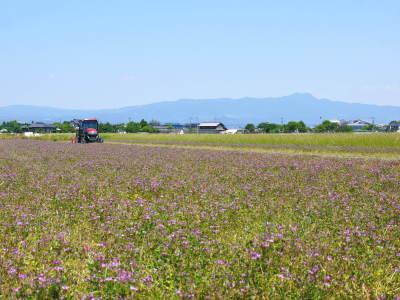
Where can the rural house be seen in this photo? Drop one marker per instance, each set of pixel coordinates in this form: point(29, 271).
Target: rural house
point(39, 127)
point(216, 127)
point(393, 127)
point(357, 125)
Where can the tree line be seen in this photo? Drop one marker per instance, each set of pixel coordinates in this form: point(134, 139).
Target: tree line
point(293, 126)
point(144, 126)
point(66, 127)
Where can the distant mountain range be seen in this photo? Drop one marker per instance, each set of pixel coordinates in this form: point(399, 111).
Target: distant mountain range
point(232, 112)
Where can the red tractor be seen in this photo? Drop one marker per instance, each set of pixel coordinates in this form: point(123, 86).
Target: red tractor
point(87, 131)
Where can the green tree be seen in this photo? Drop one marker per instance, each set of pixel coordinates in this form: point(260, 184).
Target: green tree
point(294, 126)
point(106, 127)
point(326, 126)
point(64, 127)
point(143, 123)
point(301, 127)
point(344, 128)
point(250, 128)
point(290, 127)
point(141, 126)
point(269, 127)
point(120, 127)
point(12, 126)
point(148, 128)
point(132, 127)
point(371, 127)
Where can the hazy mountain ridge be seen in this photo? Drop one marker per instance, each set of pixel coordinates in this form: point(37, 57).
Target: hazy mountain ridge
point(233, 112)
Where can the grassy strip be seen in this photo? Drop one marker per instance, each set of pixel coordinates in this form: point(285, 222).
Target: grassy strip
point(375, 145)
point(44, 137)
point(377, 140)
point(323, 152)
point(337, 139)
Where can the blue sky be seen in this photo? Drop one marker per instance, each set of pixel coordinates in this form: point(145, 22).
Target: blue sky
point(107, 54)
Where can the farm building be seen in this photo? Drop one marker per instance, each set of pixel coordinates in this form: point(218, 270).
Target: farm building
point(393, 127)
point(216, 127)
point(357, 125)
point(39, 127)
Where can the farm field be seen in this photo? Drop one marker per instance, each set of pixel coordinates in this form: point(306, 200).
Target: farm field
point(378, 145)
point(302, 139)
point(115, 221)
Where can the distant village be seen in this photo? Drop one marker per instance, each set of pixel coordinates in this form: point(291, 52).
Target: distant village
point(12, 127)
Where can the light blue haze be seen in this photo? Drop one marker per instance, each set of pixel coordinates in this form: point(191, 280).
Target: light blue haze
point(109, 54)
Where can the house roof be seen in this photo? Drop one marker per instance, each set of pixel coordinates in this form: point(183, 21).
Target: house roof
point(40, 125)
point(210, 124)
point(359, 122)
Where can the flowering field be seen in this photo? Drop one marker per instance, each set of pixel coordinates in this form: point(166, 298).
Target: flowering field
point(372, 145)
point(301, 139)
point(121, 221)
point(348, 140)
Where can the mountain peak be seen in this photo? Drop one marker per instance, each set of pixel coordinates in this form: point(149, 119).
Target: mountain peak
point(232, 112)
point(301, 96)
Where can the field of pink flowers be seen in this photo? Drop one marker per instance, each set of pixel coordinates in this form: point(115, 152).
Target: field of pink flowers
point(111, 221)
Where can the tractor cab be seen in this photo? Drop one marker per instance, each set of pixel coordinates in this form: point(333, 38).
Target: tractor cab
point(87, 131)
